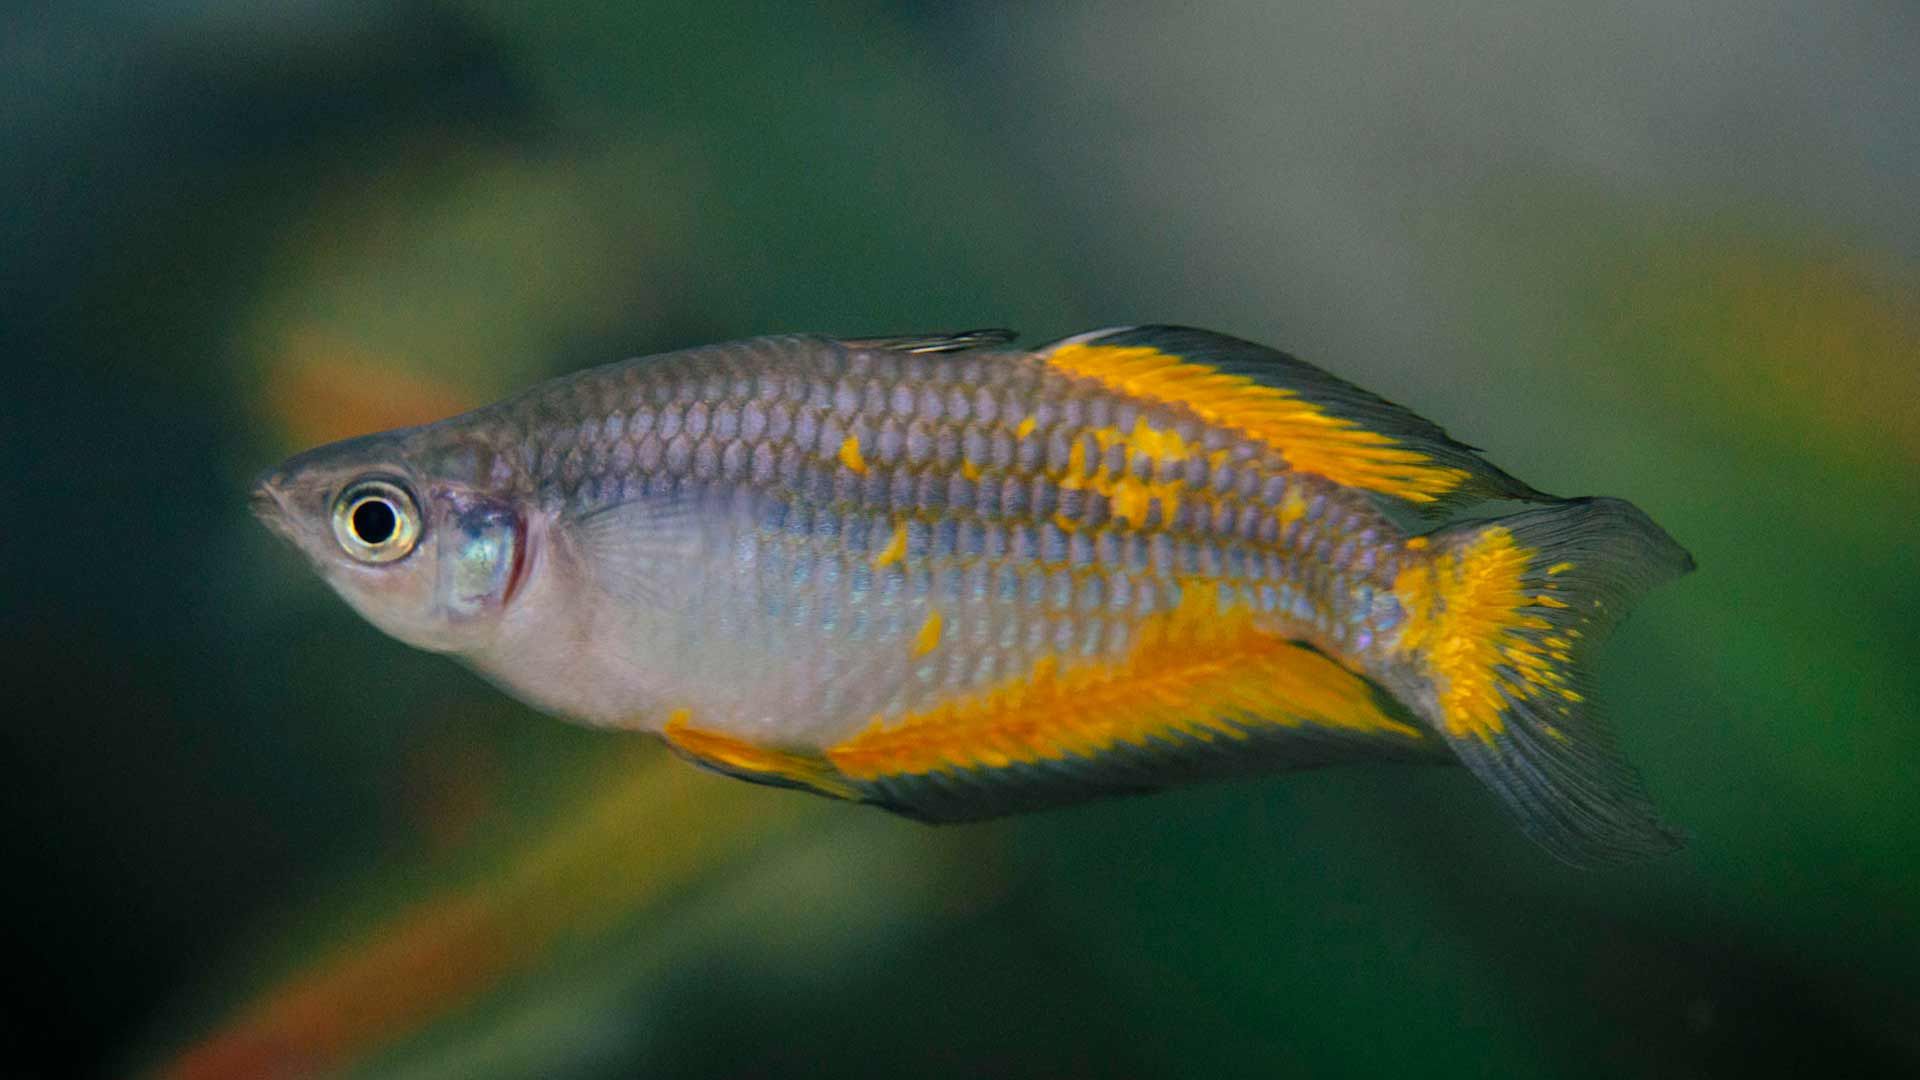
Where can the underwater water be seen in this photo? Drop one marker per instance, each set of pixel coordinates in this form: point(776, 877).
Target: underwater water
point(1663, 255)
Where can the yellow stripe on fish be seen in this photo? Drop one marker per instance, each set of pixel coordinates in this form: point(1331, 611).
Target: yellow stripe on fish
point(1129, 497)
point(1484, 633)
point(927, 638)
point(1197, 672)
point(1310, 438)
point(850, 456)
point(895, 550)
point(1464, 609)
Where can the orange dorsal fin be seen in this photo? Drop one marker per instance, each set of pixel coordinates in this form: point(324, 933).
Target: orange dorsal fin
point(1318, 423)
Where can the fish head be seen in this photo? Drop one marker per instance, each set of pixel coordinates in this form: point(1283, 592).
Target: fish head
point(428, 558)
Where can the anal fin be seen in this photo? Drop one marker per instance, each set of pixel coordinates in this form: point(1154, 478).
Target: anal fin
point(1204, 695)
point(732, 756)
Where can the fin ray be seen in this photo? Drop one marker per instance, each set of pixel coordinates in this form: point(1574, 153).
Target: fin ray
point(1504, 620)
point(957, 341)
point(742, 760)
point(1204, 695)
point(1316, 421)
point(633, 548)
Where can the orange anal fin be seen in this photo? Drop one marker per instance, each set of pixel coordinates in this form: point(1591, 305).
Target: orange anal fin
point(743, 760)
point(1203, 695)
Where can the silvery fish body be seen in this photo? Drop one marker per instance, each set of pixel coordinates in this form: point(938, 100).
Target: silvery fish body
point(958, 581)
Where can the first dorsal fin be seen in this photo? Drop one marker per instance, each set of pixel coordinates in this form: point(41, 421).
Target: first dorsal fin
point(1320, 424)
point(956, 341)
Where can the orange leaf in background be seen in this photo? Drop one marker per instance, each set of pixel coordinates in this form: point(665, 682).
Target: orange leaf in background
point(1819, 349)
point(646, 828)
point(450, 784)
point(321, 389)
point(440, 953)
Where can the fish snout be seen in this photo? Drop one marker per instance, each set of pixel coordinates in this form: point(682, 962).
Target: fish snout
point(268, 504)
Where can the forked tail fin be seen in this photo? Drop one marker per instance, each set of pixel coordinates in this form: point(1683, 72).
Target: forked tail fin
point(1501, 620)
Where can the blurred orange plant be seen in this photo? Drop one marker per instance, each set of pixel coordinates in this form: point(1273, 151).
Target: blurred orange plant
point(320, 389)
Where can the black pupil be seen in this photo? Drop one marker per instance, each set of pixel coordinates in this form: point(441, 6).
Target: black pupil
point(373, 521)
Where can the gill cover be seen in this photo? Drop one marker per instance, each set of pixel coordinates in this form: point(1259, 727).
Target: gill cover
point(482, 555)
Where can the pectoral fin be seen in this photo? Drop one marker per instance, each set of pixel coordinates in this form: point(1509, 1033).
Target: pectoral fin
point(639, 550)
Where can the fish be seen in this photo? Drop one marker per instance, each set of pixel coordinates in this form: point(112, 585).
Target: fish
point(958, 580)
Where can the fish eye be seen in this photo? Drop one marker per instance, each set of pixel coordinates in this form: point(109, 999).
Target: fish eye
point(376, 521)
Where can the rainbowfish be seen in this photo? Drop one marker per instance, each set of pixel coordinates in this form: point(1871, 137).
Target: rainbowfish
point(958, 581)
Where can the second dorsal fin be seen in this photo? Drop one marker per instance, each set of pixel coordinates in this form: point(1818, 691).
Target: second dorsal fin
point(1319, 423)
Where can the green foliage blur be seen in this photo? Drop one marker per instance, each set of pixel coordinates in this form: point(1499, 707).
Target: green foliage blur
point(1667, 254)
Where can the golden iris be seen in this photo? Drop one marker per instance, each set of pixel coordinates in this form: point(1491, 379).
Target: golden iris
point(376, 521)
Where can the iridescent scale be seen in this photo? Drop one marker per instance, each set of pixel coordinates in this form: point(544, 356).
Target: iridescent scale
point(1042, 514)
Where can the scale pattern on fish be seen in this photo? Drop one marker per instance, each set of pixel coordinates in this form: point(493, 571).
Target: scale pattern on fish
point(958, 580)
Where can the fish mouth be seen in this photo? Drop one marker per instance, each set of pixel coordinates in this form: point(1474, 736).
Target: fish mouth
point(269, 506)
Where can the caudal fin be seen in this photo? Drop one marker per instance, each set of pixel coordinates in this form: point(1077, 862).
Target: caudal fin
point(1502, 621)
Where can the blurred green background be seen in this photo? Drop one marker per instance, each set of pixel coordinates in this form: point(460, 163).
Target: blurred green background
point(1662, 251)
